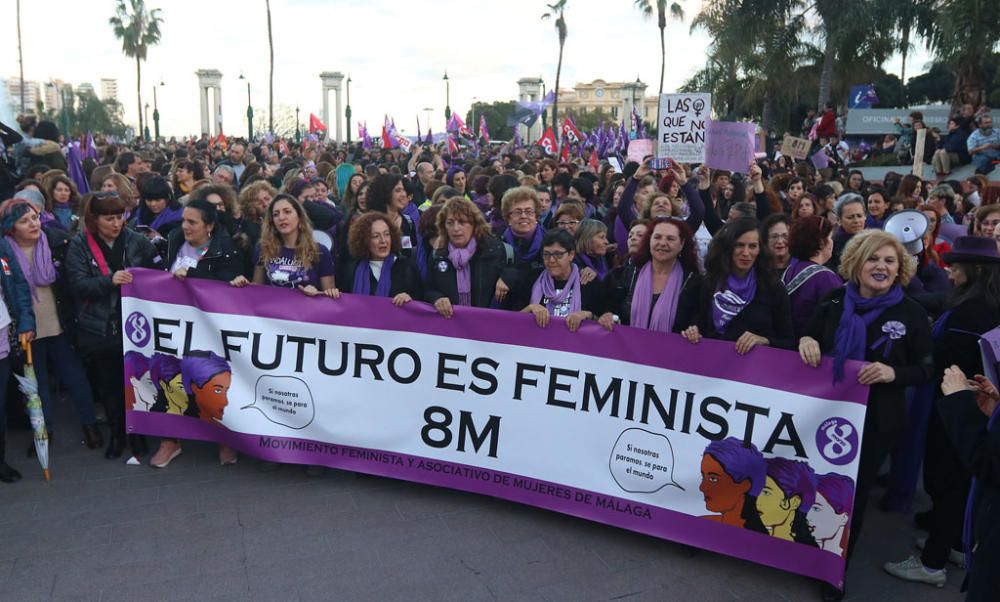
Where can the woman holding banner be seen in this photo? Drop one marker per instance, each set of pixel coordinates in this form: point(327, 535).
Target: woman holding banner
point(558, 291)
point(872, 321)
point(650, 289)
point(465, 268)
point(376, 266)
point(520, 207)
point(740, 297)
point(97, 261)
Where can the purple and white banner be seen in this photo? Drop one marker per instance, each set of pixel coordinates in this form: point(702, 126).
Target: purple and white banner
point(753, 456)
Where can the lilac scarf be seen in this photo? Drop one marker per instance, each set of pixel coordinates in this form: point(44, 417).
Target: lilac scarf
point(859, 313)
point(728, 302)
point(41, 272)
point(463, 274)
point(363, 274)
point(545, 288)
point(665, 310)
point(533, 251)
point(166, 216)
point(600, 266)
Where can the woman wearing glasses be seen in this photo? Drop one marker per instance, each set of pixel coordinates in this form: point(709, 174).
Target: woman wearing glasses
point(520, 207)
point(376, 266)
point(465, 267)
point(97, 261)
point(558, 292)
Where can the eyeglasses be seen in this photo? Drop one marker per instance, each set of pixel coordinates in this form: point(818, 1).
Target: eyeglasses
point(568, 222)
point(557, 255)
point(991, 222)
point(777, 237)
point(522, 212)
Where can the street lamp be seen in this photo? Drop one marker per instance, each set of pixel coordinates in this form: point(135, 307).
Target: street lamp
point(156, 113)
point(249, 111)
point(545, 112)
point(347, 113)
point(298, 136)
point(447, 97)
point(146, 123)
point(635, 111)
point(428, 110)
point(472, 124)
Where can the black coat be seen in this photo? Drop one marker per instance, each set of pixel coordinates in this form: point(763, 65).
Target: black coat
point(487, 265)
point(769, 314)
point(910, 356)
point(620, 285)
point(521, 275)
point(979, 450)
point(405, 278)
point(98, 301)
point(221, 262)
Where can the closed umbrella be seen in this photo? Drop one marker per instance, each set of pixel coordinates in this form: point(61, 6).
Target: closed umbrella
point(29, 386)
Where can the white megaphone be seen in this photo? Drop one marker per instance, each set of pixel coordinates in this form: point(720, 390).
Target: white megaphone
point(909, 227)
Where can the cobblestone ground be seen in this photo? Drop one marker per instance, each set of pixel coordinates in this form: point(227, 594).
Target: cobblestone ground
point(101, 530)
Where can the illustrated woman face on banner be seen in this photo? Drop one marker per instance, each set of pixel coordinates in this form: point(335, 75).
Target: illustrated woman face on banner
point(207, 377)
point(788, 494)
point(732, 475)
point(140, 394)
point(829, 516)
point(165, 373)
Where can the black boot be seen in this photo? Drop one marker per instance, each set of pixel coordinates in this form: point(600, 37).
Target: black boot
point(7, 474)
point(116, 444)
point(92, 437)
point(139, 445)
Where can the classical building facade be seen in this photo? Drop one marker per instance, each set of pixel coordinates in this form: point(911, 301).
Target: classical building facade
point(614, 98)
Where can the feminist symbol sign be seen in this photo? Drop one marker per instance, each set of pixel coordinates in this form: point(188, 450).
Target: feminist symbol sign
point(837, 441)
point(137, 329)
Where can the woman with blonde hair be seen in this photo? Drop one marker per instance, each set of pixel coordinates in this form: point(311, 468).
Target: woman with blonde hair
point(127, 192)
point(254, 200)
point(872, 321)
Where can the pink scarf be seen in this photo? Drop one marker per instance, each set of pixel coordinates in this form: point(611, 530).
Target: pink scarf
point(460, 259)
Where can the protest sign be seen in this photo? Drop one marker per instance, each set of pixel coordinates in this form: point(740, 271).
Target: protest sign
point(636, 429)
point(639, 150)
point(796, 148)
point(683, 119)
point(919, 143)
point(820, 159)
point(730, 145)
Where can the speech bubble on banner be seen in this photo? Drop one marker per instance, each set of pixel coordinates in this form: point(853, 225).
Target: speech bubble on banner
point(284, 400)
point(643, 461)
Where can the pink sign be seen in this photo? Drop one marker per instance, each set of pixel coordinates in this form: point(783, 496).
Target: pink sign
point(730, 145)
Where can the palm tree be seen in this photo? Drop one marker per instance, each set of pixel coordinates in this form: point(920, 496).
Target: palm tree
point(556, 12)
point(963, 33)
point(676, 12)
point(138, 28)
point(270, 77)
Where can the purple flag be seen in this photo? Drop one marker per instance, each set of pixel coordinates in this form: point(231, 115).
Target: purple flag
point(75, 164)
point(90, 150)
point(516, 144)
point(418, 128)
point(430, 137)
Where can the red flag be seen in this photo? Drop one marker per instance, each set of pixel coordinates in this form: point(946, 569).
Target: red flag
point(594, 163)
point(386, 143)
point(315, 125)
point(564, 155)
point(221, 139)
point(548, 142)
point(568, 129)
point(452, 147)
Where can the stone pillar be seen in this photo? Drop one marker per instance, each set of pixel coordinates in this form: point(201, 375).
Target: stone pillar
point(332, 81)
point(637, 90)
point(210, 79)
point(529, 89)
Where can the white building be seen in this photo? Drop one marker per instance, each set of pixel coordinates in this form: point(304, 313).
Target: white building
point(32, 93)
point(109, 89)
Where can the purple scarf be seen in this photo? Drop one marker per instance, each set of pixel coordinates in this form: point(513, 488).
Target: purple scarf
point(665, 310)
point(729, 301)
point(600, 266)
point(859, 313)
point(545, 288)
point(363, 274)
point(41, 272)
point(166, 216)
point(463, 275)
point(533, 251)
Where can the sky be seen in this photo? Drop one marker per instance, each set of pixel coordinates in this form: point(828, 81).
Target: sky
point(396, 53)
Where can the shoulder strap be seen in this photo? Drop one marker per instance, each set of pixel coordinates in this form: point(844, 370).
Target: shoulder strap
point(802, 277)
point(509, 252)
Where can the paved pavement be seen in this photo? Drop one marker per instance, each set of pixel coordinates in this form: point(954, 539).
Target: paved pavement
point(101, 530)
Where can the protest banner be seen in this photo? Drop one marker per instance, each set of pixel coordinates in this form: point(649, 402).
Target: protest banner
point(639, 150)
point(796, 148)
point(730, 145)
point(683, 119)
point(634, 428)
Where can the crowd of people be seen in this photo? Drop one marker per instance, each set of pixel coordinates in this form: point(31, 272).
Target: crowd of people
point(785, 255)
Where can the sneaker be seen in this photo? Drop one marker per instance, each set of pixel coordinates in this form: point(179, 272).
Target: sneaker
point(912, 569)
point(166, 454)
point(227, 455)
point(956, 557)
